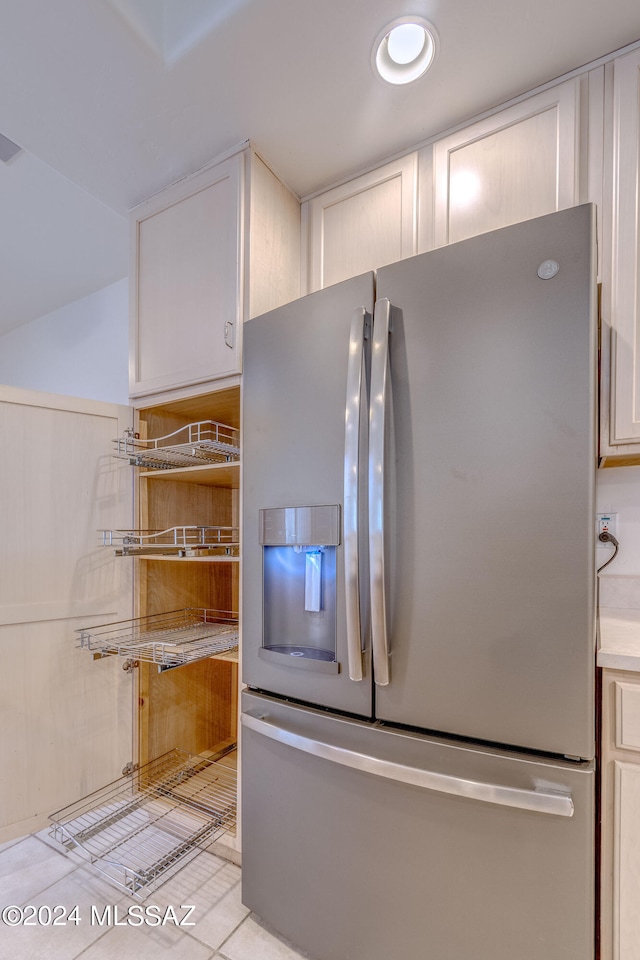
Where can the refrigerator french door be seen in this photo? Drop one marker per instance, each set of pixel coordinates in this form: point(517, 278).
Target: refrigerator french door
point(418, 550)
point(295, 373)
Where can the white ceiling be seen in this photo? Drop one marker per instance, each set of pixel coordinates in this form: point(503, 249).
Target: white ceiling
point(113, 99)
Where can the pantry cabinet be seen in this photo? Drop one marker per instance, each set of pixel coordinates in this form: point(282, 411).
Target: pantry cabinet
point(193, 707)
point(620, 932)
point(119, 627)
point(177, 792)
point(207, 253)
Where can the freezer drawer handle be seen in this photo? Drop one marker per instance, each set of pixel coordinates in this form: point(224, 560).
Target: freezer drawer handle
point(351, 488)
point(379, 374)
point(556, 804)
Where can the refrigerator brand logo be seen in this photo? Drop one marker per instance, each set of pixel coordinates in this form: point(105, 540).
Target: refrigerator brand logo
point(548, 269)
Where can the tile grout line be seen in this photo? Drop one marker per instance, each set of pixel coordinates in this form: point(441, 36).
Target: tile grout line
point(10, 843)
point(90, 946)
point(52, 882)
point(64, 876)
point(237, 926)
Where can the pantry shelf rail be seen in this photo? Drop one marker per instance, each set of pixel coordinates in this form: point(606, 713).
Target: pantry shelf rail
point(167, 639)
point(206, 441)
point(179, 541)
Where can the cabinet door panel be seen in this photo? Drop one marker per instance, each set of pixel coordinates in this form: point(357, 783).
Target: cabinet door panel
point(186, 290)
point(627, 716)
point(364, 224)
point(626, 923)
point(59, 487)
point(519, 163)
point(620, 817)
point(625, 298)
point(506, 176)
point(66, 722)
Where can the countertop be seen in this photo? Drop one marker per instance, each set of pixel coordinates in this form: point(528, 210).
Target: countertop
point(619, 622)
point(619, 639)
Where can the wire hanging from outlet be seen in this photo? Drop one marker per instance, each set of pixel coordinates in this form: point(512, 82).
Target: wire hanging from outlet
point(606, 537)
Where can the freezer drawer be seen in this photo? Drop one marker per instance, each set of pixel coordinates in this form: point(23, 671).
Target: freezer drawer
point(364, 843)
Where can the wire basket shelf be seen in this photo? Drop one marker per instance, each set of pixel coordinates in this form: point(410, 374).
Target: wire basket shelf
point(139, 830)
point(166, 639)
point(192, 445)
point(181, 541)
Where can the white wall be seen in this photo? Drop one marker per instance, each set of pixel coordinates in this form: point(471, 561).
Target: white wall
point(80, 350)
point(618, 492)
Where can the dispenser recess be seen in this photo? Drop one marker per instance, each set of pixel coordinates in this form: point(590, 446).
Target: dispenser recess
point(299, 586)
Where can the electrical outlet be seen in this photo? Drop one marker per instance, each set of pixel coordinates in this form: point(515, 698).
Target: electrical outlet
point(607, 523)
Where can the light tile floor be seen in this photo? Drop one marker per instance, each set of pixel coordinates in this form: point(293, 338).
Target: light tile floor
point(33, 872)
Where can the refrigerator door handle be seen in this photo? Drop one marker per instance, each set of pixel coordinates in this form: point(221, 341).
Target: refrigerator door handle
point(538, 801)
point(379, 373)
point(351, 487)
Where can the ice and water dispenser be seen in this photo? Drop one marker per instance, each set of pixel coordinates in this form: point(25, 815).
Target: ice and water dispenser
point(299, 586)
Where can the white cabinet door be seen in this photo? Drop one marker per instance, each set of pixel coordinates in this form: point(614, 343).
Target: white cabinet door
point(626, 869)
point(621, 308)
point(620, 816)
point(363, 224)
point(187, 281)
point(517, 164)
point(66, 721)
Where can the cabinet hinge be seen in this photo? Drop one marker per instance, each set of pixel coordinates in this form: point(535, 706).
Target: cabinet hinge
point(129, 768)
point(129, 665)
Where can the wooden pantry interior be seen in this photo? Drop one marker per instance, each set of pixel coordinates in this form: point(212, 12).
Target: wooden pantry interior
point(179, 791)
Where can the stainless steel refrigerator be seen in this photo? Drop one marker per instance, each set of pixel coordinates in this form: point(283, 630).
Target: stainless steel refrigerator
point(418, 732)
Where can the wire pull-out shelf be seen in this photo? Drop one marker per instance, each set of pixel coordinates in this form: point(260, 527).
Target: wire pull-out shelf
point(192, 445)
point(183, 541)
point(167, 639)
point(141, 829)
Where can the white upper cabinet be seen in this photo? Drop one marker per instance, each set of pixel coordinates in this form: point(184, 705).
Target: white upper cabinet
point(363, 224)
point(521, 162)
point(621, 298)
point(187, 282)
point(207, 253)
point(516, 164)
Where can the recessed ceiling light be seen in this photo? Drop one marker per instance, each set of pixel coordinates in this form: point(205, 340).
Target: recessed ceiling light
point(404, 50)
